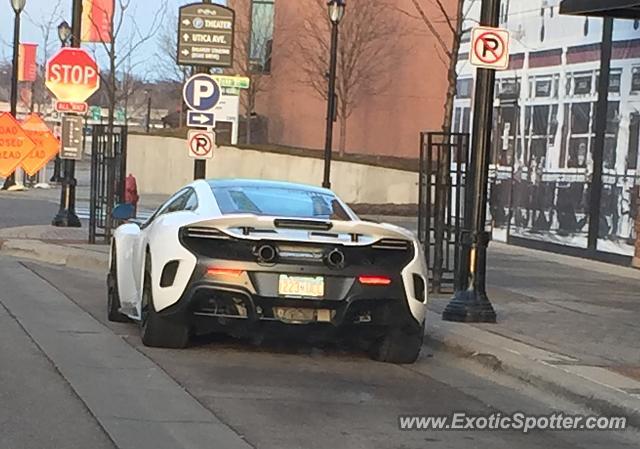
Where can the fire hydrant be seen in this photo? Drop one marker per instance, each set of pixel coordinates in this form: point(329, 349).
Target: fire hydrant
point(131, 193)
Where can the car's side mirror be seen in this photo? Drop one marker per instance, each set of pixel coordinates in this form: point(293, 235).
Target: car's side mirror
point(123, 212)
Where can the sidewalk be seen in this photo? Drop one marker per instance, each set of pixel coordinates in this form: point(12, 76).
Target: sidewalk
point(567, 325)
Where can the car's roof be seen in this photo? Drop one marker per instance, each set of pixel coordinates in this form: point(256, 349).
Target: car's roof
point(226, 183)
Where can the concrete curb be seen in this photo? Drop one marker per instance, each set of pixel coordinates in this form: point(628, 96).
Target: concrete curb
point(603, 391)
point(67, 256)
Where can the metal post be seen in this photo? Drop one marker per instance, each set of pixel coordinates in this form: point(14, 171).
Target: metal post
point(148, 126)
point(66, 217)
point(595, 190)
point(331, 106)
point(200, 166)
point(471, 303)
point(11, 179)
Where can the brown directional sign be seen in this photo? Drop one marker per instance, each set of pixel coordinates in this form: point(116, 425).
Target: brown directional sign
point(205, 35)
point(72, 137)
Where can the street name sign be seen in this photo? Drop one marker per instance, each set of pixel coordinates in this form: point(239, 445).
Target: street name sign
point(47, 146)
point(72, 126)
point(71, 107)
point(72, 75)
point(490, 48)
point(201, 144)
point(15, 144)
point(196, 119)
point(205, 35)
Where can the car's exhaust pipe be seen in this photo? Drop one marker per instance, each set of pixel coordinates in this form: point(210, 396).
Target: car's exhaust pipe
point(266, 253)
point(335, 259)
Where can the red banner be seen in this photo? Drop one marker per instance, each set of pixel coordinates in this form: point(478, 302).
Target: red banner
point(97, 20)
point(27, 66)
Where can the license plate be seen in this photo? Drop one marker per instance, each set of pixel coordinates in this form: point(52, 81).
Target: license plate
point(305, 286)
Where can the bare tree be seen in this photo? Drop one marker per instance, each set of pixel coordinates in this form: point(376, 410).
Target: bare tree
point(166, 66)
point(46, 24)
point(447, 45)
point(254, 35)
point(369, 34)
point(121, 58)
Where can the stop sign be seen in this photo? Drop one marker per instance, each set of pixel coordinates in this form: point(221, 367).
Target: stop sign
point(72, 75)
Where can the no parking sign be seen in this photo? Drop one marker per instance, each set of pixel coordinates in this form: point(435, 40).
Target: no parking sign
point(490, 48)
point(201, 144)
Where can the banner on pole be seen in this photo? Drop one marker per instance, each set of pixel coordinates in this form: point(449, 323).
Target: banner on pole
point(97, 20)
point(27, 65)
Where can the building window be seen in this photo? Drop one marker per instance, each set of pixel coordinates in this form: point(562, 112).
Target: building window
point(614, 82)
point(582, 84)
point(464, 88)
point(635, 79)
point(260, 45)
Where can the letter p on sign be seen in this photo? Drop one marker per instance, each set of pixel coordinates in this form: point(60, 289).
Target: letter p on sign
point(490, 48)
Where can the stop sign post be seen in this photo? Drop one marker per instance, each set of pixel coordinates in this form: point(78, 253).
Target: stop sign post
point(72, 75)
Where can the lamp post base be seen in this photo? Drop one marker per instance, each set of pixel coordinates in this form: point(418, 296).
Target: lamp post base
point(469, 306)
point(66, 219)
point(9, 182)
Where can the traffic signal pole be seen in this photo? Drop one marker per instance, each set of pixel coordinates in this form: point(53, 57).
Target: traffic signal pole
point(66, 217)
point(470, 302)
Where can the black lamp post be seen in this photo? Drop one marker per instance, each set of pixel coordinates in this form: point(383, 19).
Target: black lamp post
point(64, 34)
point(18, 7)
point(66, 216)
point(336, 13)
point(470, 302)
point(148, 122)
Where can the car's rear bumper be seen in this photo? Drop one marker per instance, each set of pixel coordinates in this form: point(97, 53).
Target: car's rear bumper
point(250, 300)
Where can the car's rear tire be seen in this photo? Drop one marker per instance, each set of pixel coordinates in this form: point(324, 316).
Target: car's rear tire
point(113, 295)
point(399, 345)
point(157, 331)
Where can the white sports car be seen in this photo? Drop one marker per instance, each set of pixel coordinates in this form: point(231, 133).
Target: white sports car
point(249, 256)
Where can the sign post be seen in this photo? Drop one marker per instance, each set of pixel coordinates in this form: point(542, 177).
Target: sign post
point(470, 302)
point(205, 39)
point(72, 76)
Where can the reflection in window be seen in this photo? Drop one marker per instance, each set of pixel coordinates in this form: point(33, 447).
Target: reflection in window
point(260, 46)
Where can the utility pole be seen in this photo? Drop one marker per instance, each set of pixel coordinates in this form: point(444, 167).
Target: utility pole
point(66, 217)
point(470, 302)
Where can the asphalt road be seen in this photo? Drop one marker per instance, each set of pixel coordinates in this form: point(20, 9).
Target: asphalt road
point(68, 375)
point(17, 209)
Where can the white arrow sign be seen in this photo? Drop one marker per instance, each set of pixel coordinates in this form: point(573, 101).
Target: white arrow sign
point(186, 22)
point(185, 52)
point(185, 36)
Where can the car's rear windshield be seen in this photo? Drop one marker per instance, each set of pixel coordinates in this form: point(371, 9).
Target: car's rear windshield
point(279, 202)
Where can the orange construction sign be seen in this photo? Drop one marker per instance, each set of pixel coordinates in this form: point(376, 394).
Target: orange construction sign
point(47, 146)
point(15, 144)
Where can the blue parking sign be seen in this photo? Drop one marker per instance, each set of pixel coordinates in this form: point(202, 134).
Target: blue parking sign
point(201, 92)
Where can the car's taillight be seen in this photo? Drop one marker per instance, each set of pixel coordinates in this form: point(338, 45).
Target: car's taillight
point(224, 271)
point(374, 280)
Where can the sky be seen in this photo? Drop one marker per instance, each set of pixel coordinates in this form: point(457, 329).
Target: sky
point(39, 11)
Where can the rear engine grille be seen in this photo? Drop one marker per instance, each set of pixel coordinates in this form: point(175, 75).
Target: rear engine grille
point(391, 244)
point(205, 233)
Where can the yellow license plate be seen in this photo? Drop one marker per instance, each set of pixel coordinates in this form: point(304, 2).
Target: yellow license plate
point(312, 287)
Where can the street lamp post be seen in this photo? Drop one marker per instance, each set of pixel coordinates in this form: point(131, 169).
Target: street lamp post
point(18, 7)
point(336, 13)
point(148, 124)
point(64, 34)
point(470, 302)
point(66, 216)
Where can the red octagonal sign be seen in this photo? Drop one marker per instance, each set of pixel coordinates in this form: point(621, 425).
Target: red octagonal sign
point(72, 75)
